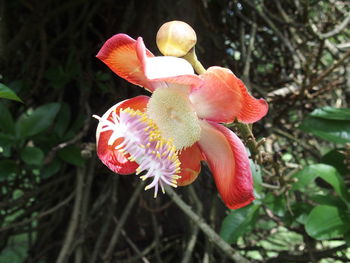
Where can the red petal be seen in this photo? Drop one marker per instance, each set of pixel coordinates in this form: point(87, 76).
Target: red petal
point(112, 158)
point(229, 163)
point(190, 159)
point(222, 98)
point(120, 55)
point(253, 109)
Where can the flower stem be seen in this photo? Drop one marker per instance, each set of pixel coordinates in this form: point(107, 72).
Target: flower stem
point(192, 58)
point(248, 136)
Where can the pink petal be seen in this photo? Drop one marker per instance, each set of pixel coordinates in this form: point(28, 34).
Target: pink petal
point(229, 163)
point(183, 80)
point(119, 54)
point(190, 159)
point(222, 98)
point(113, 159)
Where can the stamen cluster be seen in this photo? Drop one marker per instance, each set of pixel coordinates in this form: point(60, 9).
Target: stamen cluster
point(143, 142)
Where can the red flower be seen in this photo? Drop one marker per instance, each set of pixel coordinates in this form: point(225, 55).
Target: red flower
point(185, 110)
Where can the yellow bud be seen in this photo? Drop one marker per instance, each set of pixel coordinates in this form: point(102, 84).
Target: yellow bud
point(176, 38)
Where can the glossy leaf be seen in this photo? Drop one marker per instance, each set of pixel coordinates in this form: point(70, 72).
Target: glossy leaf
point(237, 223)
point(333, 127)
point(332, 113)
point(336, 158)
point(38, 120)
point(327, 173)
point(326, 222)
point(7, 93)
point(329, 200)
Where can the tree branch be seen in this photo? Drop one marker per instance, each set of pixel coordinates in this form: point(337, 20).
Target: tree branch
point(207, 230)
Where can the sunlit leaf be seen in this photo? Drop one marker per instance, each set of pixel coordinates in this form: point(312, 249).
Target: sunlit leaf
point(332, 113)
point(324, 171)
point(337, 131)
point(326, 222)
point(331, 124)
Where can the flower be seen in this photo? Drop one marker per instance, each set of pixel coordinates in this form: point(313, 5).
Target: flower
point(184, 112)
point(176, 38)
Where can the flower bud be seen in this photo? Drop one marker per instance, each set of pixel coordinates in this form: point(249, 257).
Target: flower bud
point(176, 38)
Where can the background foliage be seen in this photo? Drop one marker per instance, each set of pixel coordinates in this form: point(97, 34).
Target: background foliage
point(59, 204)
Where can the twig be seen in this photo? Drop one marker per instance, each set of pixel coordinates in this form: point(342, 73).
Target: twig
point(84, 208)
point(246, 68)
point(248, 137)
point(142, 253)
point(207, 230)
point(193, 239)
point(110, 212)
point(156, 237)
point(51, 155)
point(329, 70)
point(337, 29)
point(74, 221)
point(108, 254)
point(278, 33)
point(134, 247)
point(41, 215)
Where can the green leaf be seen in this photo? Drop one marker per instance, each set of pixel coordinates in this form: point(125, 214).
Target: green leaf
point(327, 173)
point(32, 156)
point(7, 168)
point(7, 93)
point(329, 200)
point(6, 121)
point(50, 169)
point(71, 154)
point(300, 212)
point(276, 204)
point(347, 238)
point(332, 113)
point(326, 222)
point(16, 249)
point(237, 223)
point(63, 120)
point(34, 122)
point(337, 159)
point(6, 142)
point(337, 131)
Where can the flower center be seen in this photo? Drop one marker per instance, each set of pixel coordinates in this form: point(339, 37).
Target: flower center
point(145, 145)
point(172, 112)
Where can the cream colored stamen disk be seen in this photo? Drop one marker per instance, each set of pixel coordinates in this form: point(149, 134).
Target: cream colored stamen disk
point(172, 112)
